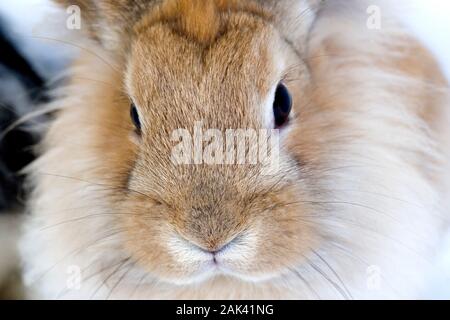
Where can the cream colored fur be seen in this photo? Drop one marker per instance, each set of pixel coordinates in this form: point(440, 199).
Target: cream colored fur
point(383, 181)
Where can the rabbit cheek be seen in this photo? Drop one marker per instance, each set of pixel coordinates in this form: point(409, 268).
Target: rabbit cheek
point(150, 240)
point(276, 240)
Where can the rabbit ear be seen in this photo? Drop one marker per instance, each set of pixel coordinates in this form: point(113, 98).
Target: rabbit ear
point(294, 19)
point(109, 21)
point(106, 21)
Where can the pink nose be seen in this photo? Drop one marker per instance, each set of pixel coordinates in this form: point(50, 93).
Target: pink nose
point(216, 249)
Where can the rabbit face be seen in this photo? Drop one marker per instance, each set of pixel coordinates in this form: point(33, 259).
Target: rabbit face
point(193, 219)
point(131, 179)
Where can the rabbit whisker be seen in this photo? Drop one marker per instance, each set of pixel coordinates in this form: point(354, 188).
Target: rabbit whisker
point(114, 272)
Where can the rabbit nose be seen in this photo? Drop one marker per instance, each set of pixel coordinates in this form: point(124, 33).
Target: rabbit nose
point(211, 227)
point(215, 248)
point(222, 247)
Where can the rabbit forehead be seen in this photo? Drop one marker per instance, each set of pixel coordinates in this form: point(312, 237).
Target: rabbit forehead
point(201, 21)
point(236, 71)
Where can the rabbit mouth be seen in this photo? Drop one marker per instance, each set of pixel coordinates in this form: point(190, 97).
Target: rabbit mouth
point(231, 261)
point(212, 269)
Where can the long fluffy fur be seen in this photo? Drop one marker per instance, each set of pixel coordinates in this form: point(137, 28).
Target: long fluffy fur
point(372, 138)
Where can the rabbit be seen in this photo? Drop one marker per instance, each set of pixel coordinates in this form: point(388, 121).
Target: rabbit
point(355, 207)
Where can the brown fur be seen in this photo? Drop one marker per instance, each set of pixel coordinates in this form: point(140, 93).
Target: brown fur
point(200, 20)
point(208, 206)
point(352, 161)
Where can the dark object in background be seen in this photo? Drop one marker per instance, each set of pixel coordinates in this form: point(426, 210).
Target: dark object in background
point(15, 154)
point(15, 145)
point(11, 59)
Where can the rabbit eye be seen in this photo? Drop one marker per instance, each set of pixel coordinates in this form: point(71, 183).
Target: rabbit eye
point(282, 105)
point(135, 117)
